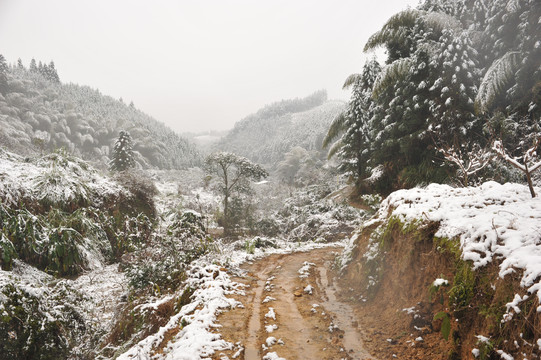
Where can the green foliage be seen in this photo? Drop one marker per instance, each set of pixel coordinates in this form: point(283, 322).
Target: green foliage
point(447, 246)
point(257, 243)
point(445, 324)
point(63, 253)
point(35, 328)
point(354, 125)
point(486, 349)
point(434, 290)
point(159, 263)
point(337, 127)
point(128, 233)
point(463, 289)
point(394, 30)
point(249, 246)
point(7, 252)
point(440, 58)
point(60, 242)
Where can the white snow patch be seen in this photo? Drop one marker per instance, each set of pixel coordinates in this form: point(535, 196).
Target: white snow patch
point(505, 355)
point(271, 314)
point(492, 221)
point(271, 328)
point(304, 271)
point(440, 282)
point(272, 356)
point(271, 340)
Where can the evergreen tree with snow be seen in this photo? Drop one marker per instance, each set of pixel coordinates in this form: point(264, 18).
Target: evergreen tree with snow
point(3, 75)
point(122, 157)
point(354, 145)
point(20, 63)
point(33, 66)
point(51, 73)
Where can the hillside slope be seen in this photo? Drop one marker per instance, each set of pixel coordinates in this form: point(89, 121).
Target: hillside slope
point(458, 270)
point(37, 114)
point(265, 136)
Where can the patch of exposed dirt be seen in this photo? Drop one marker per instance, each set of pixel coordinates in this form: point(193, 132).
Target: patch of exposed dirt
point(397, 316)
point(304, 325)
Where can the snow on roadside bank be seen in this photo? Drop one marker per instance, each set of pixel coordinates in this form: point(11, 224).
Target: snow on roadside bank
point(196, 321)
point(493, 222)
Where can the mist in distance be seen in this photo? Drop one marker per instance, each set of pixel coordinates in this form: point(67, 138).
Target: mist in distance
point(197, 66)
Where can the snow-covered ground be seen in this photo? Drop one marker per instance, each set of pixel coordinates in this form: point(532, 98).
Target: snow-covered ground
point(494, 223)
point(196, 339)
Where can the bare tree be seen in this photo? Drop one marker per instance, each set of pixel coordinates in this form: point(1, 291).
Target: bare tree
point(468, 162)
point(530, 160)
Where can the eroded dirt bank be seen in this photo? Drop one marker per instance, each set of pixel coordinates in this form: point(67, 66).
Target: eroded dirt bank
point(292, 308)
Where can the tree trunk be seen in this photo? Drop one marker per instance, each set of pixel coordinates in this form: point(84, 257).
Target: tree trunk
point(530, 183)
point(226, 214)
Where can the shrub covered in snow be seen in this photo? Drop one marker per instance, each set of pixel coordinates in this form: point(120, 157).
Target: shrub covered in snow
point(308, 215)
point(38, 319)
point(160, 262)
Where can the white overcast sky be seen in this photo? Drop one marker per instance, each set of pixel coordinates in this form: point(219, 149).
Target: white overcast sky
point(201, 64)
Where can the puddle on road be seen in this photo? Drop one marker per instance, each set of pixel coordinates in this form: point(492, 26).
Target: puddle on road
point(343, 317)
point(251, 352)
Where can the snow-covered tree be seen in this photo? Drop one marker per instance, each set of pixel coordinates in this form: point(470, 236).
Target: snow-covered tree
point(122, 156)
point(33, 66)
point(512, 53)
point(427, 88)
point(51, 73)
point(353, 147)
point(3, 75)
point(234, 174)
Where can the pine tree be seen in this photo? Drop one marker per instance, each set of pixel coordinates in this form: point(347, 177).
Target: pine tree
point(51, 73)
point(20, 63)
point(123, 157)
point(33, 66)
point(453, 90)
point(360, 114)
point(3, 75)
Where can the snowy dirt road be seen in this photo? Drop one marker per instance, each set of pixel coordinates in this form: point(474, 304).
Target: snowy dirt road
point(291, 311)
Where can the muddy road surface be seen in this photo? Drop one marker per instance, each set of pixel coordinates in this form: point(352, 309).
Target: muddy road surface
point(291, 311)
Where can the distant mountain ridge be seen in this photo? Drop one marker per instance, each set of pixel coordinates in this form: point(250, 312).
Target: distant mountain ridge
point(268, 134)
point(37, 114)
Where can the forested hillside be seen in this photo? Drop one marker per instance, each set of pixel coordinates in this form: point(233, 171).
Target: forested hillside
point(266, 136)
point(39, 113)
point(459, 76)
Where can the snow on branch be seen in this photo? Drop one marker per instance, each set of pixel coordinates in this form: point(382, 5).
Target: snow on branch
point(468, 163)
point(530, 161)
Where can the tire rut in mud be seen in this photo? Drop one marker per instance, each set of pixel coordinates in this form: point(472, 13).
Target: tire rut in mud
point(300, 325)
